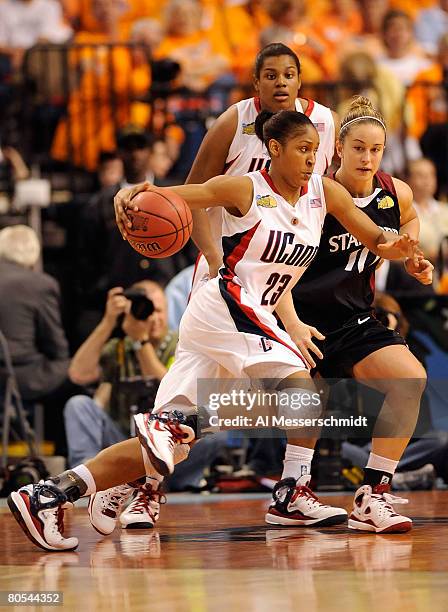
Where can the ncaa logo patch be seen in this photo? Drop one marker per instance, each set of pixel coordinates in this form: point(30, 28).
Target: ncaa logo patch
point(249, 129)
point(386, 202)
point(266, 201)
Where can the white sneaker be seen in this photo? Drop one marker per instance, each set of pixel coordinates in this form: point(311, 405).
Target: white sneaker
point(295, 504)
point(372, 511)
point(159, 434)
point(144, 509)
point(38, 508)
point(105, 507)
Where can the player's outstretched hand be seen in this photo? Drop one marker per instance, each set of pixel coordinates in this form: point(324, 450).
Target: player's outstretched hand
point(123, 201)
point(397, 247)
point(302, 335)
point(420, 268)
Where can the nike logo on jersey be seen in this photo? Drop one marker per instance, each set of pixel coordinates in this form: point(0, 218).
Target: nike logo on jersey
point(281, 248)
point(361, 321)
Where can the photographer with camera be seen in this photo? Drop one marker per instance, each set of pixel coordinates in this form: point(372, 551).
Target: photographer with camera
point(129, 352)
point(129, 367)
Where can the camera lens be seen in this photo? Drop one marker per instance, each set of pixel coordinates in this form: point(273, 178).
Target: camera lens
point(141, 306)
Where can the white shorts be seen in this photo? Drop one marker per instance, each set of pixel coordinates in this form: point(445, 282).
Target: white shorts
point(216, 335)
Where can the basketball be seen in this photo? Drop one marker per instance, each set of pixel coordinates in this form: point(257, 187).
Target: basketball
point(161, 226)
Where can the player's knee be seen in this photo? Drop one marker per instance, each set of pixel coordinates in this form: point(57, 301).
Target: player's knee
point(412, 388)
point(300, 403)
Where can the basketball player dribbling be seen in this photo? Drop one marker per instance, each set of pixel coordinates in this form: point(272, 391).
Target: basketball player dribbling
point(272, 222)
point(341, 280)
point(231, 147)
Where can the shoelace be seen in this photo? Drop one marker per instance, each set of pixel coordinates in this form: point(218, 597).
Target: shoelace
point(302, 491)
point(387, 499)
point(145, 495)
point(172, 423)
point(115, 499)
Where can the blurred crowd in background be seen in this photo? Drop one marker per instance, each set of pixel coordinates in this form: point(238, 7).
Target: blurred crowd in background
point(96, 94)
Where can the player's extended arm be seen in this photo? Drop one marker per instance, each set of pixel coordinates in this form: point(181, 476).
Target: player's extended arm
point(301, 333)
point(409, 223)
point(385, 244)
point(231, 192)
point(209, 162)
point(420, 268)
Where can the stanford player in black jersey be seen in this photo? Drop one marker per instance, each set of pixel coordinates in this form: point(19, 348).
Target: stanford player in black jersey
point(341, 279)
point(335, 296)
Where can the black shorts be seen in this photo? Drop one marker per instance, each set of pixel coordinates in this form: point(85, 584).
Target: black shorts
point(358, 337)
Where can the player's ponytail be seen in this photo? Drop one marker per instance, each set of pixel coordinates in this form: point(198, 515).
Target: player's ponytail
point(360, 109)
point(281, 126)
point(261, 119)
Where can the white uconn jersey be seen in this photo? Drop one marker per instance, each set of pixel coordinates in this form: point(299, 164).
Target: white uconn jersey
point(267, 250)
point(229, 329)
point(248, 154)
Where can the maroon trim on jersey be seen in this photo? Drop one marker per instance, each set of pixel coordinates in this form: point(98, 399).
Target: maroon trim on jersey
point(257, 104)
point(234, 291)
point(229, 164)
point(238, 252)
point(383, 180)
point(386, 182)
point(309, 108)
point(372, 282)
point(267, 177)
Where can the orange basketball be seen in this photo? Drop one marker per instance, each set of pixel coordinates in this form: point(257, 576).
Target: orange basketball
point(161, 226)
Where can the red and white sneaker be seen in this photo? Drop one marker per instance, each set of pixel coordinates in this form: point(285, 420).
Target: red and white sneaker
point(105, 507)
point(159, 434)
point(38, 508)
point(372, 511)
point(295, 504)
point(144, 510)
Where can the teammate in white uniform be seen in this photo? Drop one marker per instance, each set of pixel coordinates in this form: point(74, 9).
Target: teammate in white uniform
point(273, 227)
point(231, 146)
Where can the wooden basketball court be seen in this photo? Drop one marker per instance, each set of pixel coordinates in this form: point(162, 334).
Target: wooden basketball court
point(216, 553)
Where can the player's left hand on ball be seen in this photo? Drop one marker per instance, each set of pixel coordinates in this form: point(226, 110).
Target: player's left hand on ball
point(420, 268)
point(123, 202)
point(397, 247)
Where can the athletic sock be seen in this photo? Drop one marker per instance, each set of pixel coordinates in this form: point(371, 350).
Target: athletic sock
point(379, 470)
point(297, 461)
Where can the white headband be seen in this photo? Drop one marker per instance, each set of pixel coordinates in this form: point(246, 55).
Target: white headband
point(361, 119)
